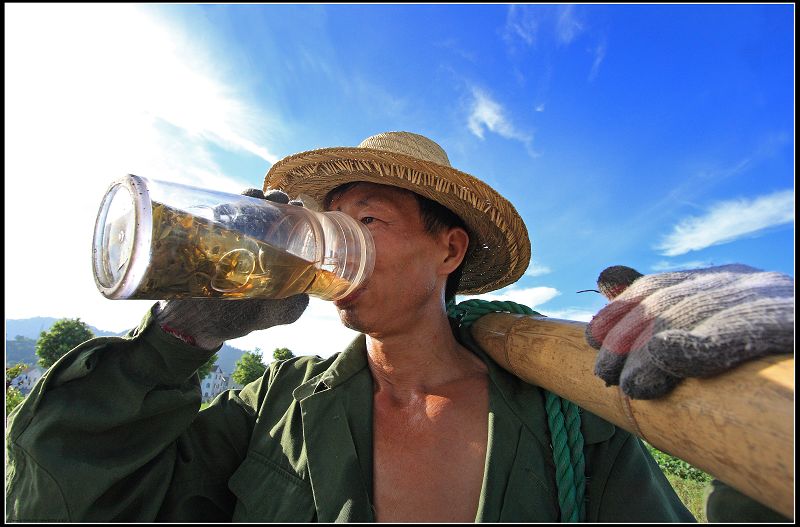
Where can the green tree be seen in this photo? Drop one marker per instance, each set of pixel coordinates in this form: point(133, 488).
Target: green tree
point(205, 369)
point(62, 336)
point(13, 395)
point(13, 398)
point(282, 354)
point(249, 367)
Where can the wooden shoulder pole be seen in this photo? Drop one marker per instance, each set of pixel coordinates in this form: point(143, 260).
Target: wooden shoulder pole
point(737, 426)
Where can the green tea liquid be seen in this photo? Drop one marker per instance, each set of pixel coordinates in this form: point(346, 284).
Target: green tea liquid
point(195, 257)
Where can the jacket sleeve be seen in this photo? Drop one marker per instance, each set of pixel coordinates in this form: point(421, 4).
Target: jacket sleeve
point(111, 432)
point(630, 487)
point(725, 504)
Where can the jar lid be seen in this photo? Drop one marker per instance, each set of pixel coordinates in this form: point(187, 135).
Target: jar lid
point(122, 236)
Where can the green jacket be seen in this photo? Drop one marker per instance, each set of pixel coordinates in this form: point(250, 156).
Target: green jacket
point(112, 433)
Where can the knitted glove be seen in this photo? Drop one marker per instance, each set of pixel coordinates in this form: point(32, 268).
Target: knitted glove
point(208, 322)
point(666, 327)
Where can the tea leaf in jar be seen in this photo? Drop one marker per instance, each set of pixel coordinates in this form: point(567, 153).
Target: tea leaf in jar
point(195, 257)
point(186, 221)
point(233, 270)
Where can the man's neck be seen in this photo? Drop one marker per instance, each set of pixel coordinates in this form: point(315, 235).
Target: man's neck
point(408, 364)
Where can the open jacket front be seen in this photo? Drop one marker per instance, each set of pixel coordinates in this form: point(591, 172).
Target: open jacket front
point(112, 433)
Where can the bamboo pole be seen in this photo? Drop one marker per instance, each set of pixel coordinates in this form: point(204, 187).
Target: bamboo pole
point(737, 426)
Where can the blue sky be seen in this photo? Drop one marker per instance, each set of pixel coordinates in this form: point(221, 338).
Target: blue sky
point(655, 136)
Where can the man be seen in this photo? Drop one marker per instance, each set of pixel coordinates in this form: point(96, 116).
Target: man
point(412, 422)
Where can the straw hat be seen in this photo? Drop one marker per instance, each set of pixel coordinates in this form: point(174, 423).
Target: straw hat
point(499, 246)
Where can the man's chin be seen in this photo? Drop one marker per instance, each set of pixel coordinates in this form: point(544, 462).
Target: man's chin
point(350, 320)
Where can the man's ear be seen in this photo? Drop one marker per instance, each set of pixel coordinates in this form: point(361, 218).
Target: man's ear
point(457, 241)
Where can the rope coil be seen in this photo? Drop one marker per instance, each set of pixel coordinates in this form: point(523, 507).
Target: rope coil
point(563, 417)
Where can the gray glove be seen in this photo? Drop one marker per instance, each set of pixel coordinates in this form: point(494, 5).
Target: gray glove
point(666, 327)
point(208, 322)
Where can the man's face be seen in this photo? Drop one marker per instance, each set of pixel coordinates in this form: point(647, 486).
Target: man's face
point(409, 274)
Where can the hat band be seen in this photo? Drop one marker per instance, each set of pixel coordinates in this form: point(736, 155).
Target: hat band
point(426, 180)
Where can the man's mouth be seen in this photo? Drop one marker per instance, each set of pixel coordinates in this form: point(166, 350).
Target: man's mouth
point(349, 299)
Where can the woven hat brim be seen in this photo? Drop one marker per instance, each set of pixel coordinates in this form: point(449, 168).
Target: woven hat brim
point(499, 245)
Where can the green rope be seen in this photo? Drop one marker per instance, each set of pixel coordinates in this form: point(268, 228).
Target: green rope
point(563, 418)
point(562, 455)
point(573, 424)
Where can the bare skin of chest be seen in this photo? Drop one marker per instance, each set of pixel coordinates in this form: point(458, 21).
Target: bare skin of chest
point(430, 454)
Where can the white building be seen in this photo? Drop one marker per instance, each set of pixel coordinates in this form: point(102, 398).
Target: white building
point(24, 381)
point(214, 383)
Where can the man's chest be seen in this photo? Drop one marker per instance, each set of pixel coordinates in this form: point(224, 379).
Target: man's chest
point(429, 462)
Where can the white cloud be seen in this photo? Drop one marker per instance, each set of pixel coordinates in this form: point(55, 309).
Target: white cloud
point(95, 91)
point(534, 23)
point(581, 315)
point(521, 22)
point(729, 220)
point(664, 265)
point(453, 45)
point(487, 114)
point(530, 296)
point(599, 54)
point(568, 27)
point(535, 269)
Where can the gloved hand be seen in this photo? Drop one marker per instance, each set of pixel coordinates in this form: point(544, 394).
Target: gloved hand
point(666, 327)
point(208, 322)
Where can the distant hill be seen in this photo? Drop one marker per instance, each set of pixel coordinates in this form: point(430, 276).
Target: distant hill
point(22, 334)
point(21, 349)
point(32, 327)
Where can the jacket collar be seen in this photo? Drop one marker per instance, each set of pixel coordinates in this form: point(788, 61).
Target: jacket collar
point(336, 408)
point(346, 364)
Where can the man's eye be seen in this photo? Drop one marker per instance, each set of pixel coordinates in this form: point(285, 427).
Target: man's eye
point(366, 220)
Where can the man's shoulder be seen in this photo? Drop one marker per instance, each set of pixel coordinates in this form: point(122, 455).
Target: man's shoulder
point(522, 395)
point(299, 369)
point(595, 429)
